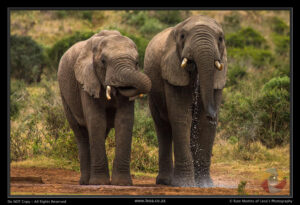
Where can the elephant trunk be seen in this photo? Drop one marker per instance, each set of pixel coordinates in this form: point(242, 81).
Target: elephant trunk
point(128, 81)
point(134, 83)
point(204, 56)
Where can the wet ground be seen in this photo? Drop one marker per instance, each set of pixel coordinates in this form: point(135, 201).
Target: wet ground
point(46, 181)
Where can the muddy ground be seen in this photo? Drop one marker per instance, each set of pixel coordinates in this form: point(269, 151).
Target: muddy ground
point(46, 181)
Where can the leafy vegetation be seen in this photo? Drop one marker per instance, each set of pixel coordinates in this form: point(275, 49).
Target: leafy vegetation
point(27, 59)
point(246, 37)
point(61, 46)
point(254, 119)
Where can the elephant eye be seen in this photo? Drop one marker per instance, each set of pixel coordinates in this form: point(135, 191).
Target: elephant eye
point(182, 36)
point(220, 39)
point(103, 61)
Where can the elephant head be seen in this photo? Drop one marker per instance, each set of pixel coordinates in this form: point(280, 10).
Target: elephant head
point(197, 44)
point(110, 60)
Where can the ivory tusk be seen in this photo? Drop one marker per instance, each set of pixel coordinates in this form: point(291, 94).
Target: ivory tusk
point(219, 65)
point(184, 61)
point(108, 90)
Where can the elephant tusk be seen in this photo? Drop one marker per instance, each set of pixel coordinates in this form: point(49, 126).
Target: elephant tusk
point(184, 61)
point(108, 90)
point(219, 65)
point(135, 97)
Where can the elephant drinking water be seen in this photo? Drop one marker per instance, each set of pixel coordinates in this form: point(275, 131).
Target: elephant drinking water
point(186, 62)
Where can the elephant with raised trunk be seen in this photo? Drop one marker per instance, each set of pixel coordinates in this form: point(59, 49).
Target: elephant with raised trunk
point(187, 65)
point(99, 79)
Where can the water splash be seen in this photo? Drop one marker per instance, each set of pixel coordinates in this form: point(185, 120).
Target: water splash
point(195, 118)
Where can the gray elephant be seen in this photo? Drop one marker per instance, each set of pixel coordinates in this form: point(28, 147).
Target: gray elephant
point(187, 65)
point(98, 80)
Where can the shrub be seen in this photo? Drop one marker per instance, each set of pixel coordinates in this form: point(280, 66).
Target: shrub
point(282, 44)
point(61, 46)
point(235, 73)
point(169, 17)
point(275, 112)
point(264, 116)
point(282, 67)
point(246, 37)
point(27, 59)
point(151, 27)
point(144, 126)
point(135, 18)
point(231, 22)
point(146, 25)
point(18, 97)
point(259, 58)
point(279, 26)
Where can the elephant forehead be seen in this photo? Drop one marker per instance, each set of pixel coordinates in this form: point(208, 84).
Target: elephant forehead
point(203, 21)
point(120, 46)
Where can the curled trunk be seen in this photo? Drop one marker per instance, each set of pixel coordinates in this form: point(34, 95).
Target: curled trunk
point(129, 82)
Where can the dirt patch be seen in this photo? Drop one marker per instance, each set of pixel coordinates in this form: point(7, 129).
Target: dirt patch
point(65, 182)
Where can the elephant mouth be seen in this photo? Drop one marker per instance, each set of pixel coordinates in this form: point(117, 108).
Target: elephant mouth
point(128, 91)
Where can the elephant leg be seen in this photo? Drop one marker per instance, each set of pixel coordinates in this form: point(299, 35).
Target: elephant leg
point(84, 155)
point(179, 111)
point(164, 135)
point(99, 165)
point(201, 147)
point(95, 119)
point(124, 118)
point(82, 139)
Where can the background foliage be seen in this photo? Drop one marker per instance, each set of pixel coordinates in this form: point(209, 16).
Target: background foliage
point(254, 114)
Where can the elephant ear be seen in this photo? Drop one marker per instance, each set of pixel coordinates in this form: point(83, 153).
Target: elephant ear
point(170, 64)
point(220, 76)
point(84, 69)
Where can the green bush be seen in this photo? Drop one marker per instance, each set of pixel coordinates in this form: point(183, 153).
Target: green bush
point(61, 46)
point(282, 44)
point(263, 116)
point(231, 22)
point(259, 58)
point(151, 27)
point(135, 18)
point(235, 73)
point(277, 83)
point(169, 17)
point(145, 24)
point(246, 37)
point(27, 59)
point(275, 112)
point(282, 67)
point(18, 97)
point(279, 26)
point(144, 125)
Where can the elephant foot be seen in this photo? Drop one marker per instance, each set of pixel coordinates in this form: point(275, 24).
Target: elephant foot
point(183, 182)
point(163, 179)
point(204, 182)
point(121, 180)
point(84, 180)
point(99, 180)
